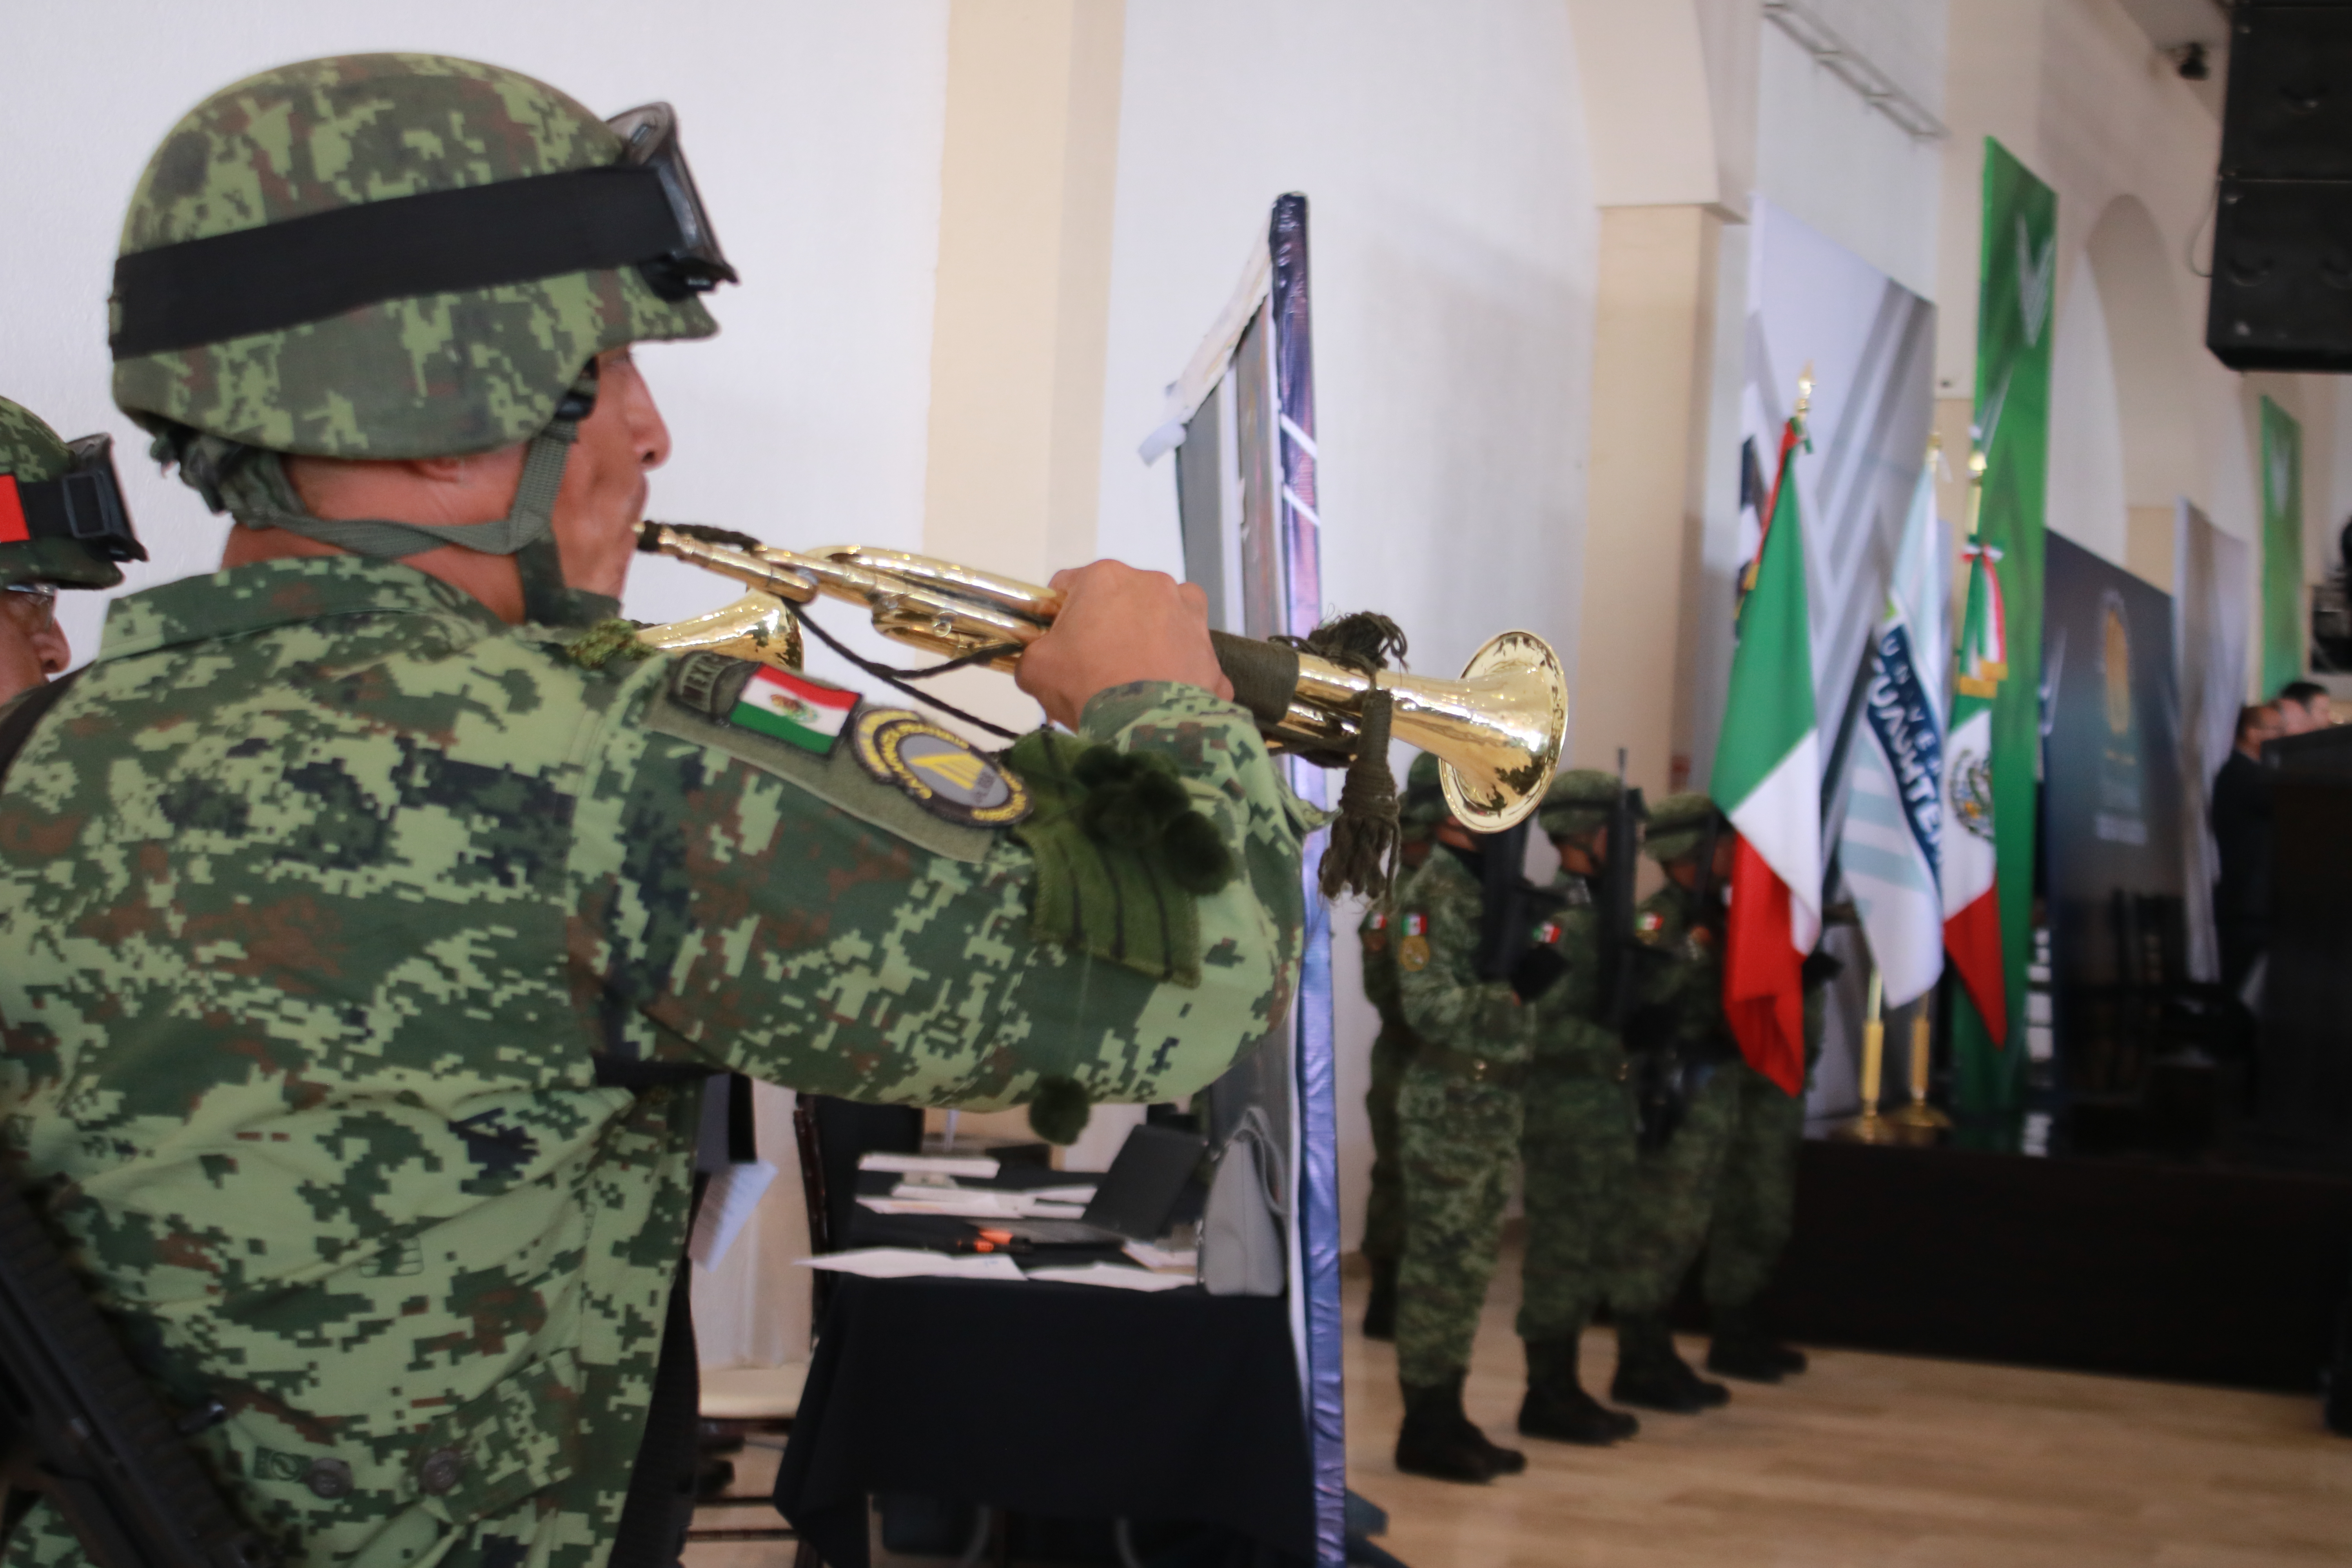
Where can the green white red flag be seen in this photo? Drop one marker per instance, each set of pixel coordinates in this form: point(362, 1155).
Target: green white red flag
point(1768, 780)
point(1971, 888)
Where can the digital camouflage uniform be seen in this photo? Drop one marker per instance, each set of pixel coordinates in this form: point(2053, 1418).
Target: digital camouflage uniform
point(1664, 1219)
point(1579, 1142)
point(1578, 1150)
point(359, 954)
point(1420, 809)
point(1459, 1121)
point(323, 892)
point(1672, 1194)
point(1459, 1114)
point(1756, 1205)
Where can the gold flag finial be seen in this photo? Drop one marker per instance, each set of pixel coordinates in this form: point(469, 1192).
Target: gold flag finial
point(1976, 488)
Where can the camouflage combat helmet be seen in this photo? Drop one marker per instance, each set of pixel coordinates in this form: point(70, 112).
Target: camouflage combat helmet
point(1422, 806)
point(1677, 824)
point(1578, 801)
point(39, 544)
point(397, 256)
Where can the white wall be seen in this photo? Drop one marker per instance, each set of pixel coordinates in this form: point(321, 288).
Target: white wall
point(1442, 151)
point(1830, 159)
point(2086, 501)
point(814, 130)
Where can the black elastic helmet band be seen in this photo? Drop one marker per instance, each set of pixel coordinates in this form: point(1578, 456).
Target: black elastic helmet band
point(642, 211)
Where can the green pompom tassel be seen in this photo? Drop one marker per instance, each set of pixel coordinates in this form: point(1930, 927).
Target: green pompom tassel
point(607, 641)
point(1137, 798)
point(1060, 1110)
point(1196, 854)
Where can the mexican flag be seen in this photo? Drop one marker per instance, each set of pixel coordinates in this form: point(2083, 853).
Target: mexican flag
point(1768, 780)
point(795, 709)
point(1971, 891)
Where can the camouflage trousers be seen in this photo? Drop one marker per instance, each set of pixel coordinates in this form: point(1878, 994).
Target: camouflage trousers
point(1459, 1142)
point(1384, 1209)
point(1579, 1156)
point(1755, 1191)
point(1664, 1219)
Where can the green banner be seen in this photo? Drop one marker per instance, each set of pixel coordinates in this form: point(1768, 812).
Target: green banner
point(2283, 632)
point(2018, 268)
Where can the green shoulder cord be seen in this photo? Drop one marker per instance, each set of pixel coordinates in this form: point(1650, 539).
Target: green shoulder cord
point(526, 532)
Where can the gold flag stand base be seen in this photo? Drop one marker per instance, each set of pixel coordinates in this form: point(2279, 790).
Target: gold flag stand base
point(1917, 1123)
point(1919, 1117)
point(1868, 1128)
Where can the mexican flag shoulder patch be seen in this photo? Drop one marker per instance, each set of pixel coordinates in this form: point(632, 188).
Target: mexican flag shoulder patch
point(794, 709)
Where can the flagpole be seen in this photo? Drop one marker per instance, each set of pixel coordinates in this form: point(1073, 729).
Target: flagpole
point(1919, 1122)
point(1870, 1127)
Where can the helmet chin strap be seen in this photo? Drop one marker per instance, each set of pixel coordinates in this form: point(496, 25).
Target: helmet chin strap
point(526, 532)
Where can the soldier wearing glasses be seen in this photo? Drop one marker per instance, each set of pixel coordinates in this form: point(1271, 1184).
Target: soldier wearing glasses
point(40, 550)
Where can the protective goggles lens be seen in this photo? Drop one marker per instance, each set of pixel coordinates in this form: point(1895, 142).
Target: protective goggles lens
point(695, 265)
point(83, 505)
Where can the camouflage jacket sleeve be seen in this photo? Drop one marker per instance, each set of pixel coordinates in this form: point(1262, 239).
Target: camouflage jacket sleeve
point(1566, 1024)
point(1684, 982)
point(740, 906)
point(1444, 1001)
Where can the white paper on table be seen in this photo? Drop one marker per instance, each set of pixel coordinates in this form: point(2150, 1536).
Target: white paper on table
point(727, 1206)
point(1078, 1194)
point(908, 1262)
point(1117, 1277)
point(970, 1202)
point(1187, 1258)
point(978, 1165)
point(953, 1204)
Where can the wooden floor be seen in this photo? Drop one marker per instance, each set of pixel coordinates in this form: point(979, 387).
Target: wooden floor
point(1886, 1460)
point(1891, 1461)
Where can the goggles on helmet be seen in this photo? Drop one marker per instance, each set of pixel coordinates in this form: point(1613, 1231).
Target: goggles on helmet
point(642, 211)
point(83, 505)
point(694, 265)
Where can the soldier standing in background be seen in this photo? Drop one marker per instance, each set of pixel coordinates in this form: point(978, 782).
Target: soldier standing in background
point(37, 556)
point(1689, 1102)
point(1756, 1197)
point(1459, 1119)
point(1421, 809)
point(1579, 1146)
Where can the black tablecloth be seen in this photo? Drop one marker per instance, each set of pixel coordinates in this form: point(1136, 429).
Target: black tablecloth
point(1065, 1401)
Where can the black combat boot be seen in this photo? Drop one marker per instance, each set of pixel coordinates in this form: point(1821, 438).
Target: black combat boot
point(1556, 1405)
point(1650, 1374)
point(1379, 1313)
point(1440, 1440)
point(1744, 1347)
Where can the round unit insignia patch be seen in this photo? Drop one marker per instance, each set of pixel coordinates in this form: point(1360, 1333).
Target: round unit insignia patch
point(1413, 953)
point(939, 769)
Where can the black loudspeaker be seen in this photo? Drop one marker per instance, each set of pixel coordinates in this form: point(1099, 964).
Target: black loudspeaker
point(2281, 287)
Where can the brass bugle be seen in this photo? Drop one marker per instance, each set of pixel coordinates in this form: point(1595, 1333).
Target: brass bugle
point(1496, 731)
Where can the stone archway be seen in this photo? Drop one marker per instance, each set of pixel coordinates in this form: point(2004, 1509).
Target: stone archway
point(2152, 343)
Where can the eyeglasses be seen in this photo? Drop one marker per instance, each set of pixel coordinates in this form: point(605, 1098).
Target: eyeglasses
point(33, 606)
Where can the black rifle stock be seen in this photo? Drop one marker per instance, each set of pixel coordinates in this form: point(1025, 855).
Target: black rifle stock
point(79, 1425)
point(1512, 903)
point(1621, 956)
